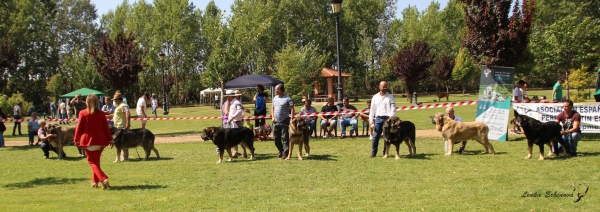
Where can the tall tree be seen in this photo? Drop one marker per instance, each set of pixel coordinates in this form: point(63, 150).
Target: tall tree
point(442, 71)
point(494, 39)
point(567, 34)
point(465, 70)
point(118, 61)
point(412, 65)
point(299, 68)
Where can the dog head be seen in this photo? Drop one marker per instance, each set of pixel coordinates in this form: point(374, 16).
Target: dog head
point(535, 98)
point(392, 124)
point(53, 129)
point(488, 92)
point(438, 120)
point(208, 133)
point(298, 125)
point(117, 135)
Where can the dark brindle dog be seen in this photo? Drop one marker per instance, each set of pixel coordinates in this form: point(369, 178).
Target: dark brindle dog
point(225, 138)
point(536, 132)
point(298, 132)
point(395, 131)
point(124, 139)
point(64, 136)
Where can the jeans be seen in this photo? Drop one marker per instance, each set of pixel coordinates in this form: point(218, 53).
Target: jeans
point(1, 139)
point(17, 124)
point(376, 134)
point(312, 127)
point(32, 134)
point(570, 140)
point(46, 147)
point(281, 133)
point(349, 121)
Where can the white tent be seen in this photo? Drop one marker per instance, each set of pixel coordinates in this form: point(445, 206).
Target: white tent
point(207, 95)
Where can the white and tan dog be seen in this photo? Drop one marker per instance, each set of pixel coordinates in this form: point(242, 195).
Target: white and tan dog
point(454, 131)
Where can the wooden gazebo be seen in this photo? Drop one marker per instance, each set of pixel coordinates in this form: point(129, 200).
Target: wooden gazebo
point(330, 74)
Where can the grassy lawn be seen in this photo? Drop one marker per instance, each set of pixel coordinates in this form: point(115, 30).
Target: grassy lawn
point(338, 176)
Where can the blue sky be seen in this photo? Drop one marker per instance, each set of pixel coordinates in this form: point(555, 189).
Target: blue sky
point(104, 6)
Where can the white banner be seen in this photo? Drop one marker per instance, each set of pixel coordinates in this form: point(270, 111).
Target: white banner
point(544, 112)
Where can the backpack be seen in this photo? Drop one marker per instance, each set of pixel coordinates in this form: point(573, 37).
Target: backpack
point(260, 104)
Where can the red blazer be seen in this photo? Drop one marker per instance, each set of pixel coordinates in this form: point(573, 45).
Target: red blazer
point(92, 129)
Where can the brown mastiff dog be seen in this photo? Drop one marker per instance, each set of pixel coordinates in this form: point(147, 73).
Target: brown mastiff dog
point(454, 131)
point(396, 131)
point(64, 136)
point(298, 132)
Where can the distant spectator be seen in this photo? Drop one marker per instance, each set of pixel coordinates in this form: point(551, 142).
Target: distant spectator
point(52, 109)
point(78, 104)
point(141, 108)
point(312, 120)
point(62, 108)
point(108, 110)
point(17, 116)
point(154, 103)
point(557, 90)
point(33, 127)
point(348, 119)
point(2, 127)
point(518, 91)
point(365, 118)
point(260, 109)
point(328, 120)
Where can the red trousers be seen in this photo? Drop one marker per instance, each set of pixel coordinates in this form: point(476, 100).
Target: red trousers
point(93, 158)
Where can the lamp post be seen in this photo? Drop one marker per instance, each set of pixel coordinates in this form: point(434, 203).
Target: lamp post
point(336, 8)
point(162, 66)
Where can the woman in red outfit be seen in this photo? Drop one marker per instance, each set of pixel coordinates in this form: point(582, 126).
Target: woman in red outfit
point(92, 133)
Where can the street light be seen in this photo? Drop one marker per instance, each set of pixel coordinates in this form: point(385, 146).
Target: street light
point(162, 66)
point(336, 8)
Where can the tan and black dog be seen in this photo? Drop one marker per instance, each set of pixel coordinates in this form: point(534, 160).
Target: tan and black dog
point(124, 139)
point(454, 131)
point(298, 132)
point(395, 131)
point(225, 138)
point(64, 136)
point(539, 133)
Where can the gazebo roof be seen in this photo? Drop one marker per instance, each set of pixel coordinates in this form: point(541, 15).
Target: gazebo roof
point(327, 72)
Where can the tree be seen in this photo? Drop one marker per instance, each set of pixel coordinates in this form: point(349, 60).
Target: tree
point(465, 70)
point(567, 34)
point(412, 64)
point(580, 79)
point(118, 61)
point(299, 68)
point(442, 71)
point(494, 39)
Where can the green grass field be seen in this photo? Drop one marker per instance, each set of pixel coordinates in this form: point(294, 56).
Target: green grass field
point(338, 176)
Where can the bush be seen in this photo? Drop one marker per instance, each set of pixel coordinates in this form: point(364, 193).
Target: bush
point(7, 104)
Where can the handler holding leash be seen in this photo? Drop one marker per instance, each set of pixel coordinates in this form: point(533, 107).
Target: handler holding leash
point(121, 117)
point(450, 112)
point(92, 133)
point(282, 106)
point(383, 106)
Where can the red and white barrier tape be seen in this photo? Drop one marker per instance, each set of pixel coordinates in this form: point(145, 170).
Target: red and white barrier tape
point(427, 106)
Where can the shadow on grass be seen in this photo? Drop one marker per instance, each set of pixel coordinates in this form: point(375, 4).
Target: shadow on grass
point(421, 156)
point(477, 152)
point(141, 159)
point(44, 181)
point(21, 148)
point(136, 187)
point(173, 134)
point(321, 157)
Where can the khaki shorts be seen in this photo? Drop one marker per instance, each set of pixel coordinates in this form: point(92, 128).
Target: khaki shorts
point(142, 116)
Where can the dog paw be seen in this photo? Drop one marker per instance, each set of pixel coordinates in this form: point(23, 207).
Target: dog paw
point(229, 160)
point(287, 158)
point(299, 158)
point(528, 157)
point(306, 155)
point(397, 158)
point(385, 156)
point(541, 158)
point(219, 161)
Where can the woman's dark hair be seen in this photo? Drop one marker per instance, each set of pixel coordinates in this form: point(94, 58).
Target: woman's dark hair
point(261, 87)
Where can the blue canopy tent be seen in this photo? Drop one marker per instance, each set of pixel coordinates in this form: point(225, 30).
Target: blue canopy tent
point(250, 81)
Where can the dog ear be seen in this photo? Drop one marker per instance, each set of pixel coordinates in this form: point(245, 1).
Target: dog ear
point(515, 113)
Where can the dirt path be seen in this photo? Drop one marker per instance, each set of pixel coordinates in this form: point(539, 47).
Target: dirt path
point(193, 138)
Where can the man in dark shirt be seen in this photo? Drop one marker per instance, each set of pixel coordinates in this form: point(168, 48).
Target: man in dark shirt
point(349, 118)
point(328, 120)
point(79, 104)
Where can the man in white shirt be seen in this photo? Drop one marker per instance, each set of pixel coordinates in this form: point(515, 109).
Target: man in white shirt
point(383, 106)
point(450, 113)
point(518, 91)
point(236, 111)
point(141, 108)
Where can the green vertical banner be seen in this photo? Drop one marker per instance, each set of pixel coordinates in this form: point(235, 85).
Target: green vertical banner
point(495, 95)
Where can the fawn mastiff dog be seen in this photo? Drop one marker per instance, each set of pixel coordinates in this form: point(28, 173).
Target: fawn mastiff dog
point(225, 138)
point(536, 132)
point(454, 131)
point(298, 132)
point(124, 139)
point(395, 131)
point(441, 95)
point(64, 136)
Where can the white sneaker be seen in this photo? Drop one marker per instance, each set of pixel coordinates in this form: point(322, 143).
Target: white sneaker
point(370, 137)
point(325, 136)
